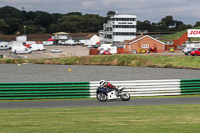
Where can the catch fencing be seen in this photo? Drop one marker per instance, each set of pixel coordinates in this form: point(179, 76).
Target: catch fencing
point(168, 87)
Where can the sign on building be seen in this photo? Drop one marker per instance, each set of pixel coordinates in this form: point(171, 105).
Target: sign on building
point(193, 32)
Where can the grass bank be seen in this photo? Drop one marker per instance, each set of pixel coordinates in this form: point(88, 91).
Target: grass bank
point(165, 61)
point(138, 119)
point(177, 35)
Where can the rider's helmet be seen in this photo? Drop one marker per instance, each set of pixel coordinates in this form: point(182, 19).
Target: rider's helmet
point(102, 82)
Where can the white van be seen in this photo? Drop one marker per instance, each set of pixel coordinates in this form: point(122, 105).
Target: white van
point(22, 50)
point(107, 47)
point(35, 47)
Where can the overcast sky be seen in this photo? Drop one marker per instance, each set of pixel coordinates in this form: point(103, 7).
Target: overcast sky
point(186, 11)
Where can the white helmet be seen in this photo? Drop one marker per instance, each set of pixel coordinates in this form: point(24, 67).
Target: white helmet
point(102, 82)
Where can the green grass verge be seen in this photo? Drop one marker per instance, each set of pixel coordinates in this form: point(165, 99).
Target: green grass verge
point(138, 119)
point(165, 61)
point(177, 35)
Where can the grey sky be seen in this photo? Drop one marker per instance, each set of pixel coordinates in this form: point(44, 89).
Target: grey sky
point(153, 10)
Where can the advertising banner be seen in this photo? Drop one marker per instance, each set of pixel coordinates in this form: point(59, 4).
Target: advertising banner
point(193, 32)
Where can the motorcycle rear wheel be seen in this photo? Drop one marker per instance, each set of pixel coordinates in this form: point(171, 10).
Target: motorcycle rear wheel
point(102, 97)
point(125, 96)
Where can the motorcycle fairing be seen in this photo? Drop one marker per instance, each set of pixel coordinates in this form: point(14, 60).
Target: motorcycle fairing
point(112, 95)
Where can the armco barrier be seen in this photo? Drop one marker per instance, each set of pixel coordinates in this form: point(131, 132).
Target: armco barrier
point(145, 87)
point(44, 90)
point(166, 87)
point(88, 89)
point(190, 86)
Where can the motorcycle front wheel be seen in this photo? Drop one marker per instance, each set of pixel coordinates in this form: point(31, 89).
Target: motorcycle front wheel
point(125, 96)
point(102, 97)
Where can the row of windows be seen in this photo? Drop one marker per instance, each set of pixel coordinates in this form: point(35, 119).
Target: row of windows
point(124, 26)
point(145, 45)
point(120, 34)
point(122, 19)
point(124, 33)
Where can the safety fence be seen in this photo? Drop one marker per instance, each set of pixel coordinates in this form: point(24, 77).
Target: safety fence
point(88, 89)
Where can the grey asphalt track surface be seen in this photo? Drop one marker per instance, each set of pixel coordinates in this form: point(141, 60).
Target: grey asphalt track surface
point(59, 73)
point(95, 103)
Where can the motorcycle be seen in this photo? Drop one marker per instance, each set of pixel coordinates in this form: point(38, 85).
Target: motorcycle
point(103, 94)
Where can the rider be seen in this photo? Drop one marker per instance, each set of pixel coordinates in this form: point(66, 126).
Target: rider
point(105, 84)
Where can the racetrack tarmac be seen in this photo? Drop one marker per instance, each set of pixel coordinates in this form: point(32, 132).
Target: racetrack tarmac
point(95, 103)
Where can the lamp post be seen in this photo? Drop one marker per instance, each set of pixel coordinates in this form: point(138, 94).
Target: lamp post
point(24, 29)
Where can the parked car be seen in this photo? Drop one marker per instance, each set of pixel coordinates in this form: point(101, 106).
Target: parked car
point(92, 46)
point(188, 50)
point(195, 52)
point(56, 51)
point(106, 52)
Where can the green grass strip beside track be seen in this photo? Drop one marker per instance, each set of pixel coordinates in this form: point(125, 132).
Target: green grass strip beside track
point(130, 119)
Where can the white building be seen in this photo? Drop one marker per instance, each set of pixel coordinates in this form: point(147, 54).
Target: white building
point(118, 29)
point(92, 40)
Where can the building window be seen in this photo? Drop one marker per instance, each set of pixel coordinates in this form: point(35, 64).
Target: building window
point(124, 33)
point(145, 45)
point(123, 19)
point(124, 26)
point(109, 36)
point(108, 29)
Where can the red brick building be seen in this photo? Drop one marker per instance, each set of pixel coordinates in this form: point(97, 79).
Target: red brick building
point(143, 42)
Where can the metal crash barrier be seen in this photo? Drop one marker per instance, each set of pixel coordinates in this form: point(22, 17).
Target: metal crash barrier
point(44, 90)
point(168, 87)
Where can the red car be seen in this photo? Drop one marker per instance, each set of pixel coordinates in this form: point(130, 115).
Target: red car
point(195, 52)
point(106, 52)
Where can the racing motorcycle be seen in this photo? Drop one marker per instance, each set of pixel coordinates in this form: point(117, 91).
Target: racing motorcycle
point(103, 94)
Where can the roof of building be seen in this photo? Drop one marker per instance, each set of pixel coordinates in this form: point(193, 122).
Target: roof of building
point(58, 33)
point(124, 16)
point(90, 35)
point(140, 38)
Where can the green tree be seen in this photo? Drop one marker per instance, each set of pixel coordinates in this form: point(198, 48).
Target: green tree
point(30, 29)
point(3, 26)
point(93, 23)
point(197, 24)
point(53, 28)
point(162, 26)
point(146, 25)
point(55, 17)
point(73, 23)
point(74, 13)
point(168, 20)
point(15, 25)
point(10, 12)
point(178, 24)
point(43, 19)
point(110, 13)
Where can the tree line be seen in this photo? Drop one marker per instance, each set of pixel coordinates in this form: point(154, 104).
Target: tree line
point(13, 21)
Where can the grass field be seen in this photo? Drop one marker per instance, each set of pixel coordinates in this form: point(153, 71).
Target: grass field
point(138, 119)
